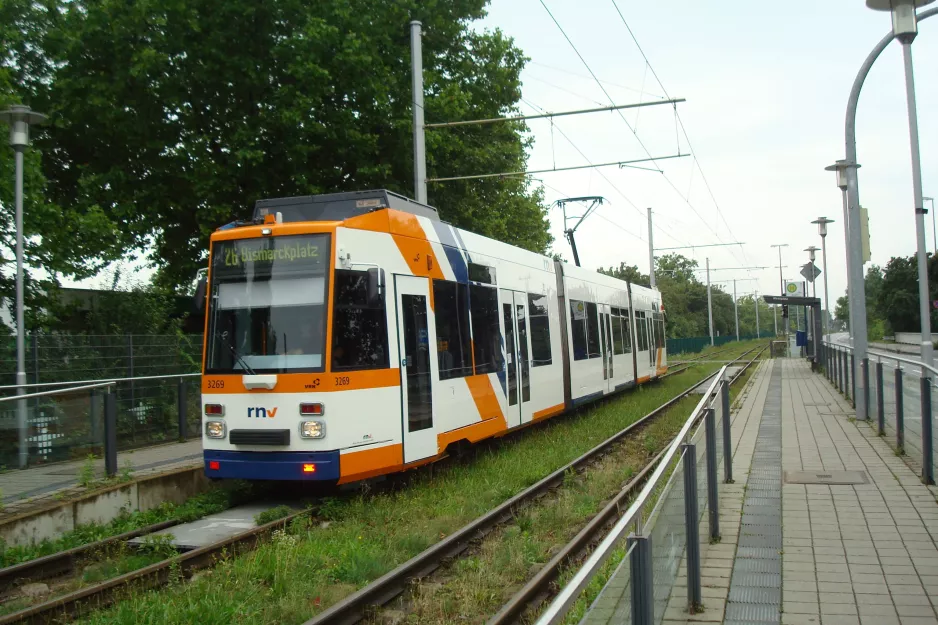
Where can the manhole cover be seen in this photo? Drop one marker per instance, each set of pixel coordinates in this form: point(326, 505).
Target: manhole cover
point(826, 477)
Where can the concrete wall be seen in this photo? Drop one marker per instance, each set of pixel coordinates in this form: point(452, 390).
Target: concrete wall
point(102, 506)
point(913, 338)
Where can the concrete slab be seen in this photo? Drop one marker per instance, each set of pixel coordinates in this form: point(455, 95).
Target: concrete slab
point(214, 527)
point(840, 478)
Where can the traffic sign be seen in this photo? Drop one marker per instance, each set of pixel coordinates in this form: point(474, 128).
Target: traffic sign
point(810, 272)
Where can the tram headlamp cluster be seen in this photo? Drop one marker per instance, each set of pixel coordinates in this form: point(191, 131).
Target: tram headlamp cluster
point(312, 429)
point(215, 429)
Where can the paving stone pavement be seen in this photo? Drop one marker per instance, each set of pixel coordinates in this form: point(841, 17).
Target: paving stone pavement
point(27, 486)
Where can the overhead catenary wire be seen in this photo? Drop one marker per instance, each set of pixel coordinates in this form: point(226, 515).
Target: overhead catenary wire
point(630, 127)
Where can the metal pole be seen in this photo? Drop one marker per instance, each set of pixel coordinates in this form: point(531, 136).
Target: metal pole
point(758, 330)
point(865, 375)
point(736, 309)
point(692, 531)
point(727, 439)
point(642, 574)
point(110, 433)
point(709, 303)
point(853, 384)
point(713, 495)
point(880, 404)
point(900, 418)
point(775, 317)
point(181, 410)
point(651, 251)
point(928, 470)
point(781, 280)
point(420, 147)
point(922, 254)
point(850, 295)
point(22, 418)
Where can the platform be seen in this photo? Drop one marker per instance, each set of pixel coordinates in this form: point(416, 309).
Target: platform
point(46, 480)
point(858, 528)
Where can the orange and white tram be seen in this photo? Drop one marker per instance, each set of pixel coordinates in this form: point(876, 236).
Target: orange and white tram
point(352, 335)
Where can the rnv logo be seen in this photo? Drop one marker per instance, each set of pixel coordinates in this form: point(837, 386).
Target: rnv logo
point(262, 413)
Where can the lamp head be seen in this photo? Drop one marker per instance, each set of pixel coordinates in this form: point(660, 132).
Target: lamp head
point(841, 167)
point(904, 20)
point(19, 117)
point(822, 225)
point(812, 252)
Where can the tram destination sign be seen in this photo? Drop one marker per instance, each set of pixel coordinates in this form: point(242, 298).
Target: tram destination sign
point(266, 254)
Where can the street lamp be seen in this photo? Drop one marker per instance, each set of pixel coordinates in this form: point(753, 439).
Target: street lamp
point(840, 169)
point(781, 282)
point(822, 230)
point(905, 27)
point(19, 118)
point(812, 256)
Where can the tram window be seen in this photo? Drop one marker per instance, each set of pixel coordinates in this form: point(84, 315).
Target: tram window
point(592, 334)
point(481, 273)
point(486, 336)
point(626, 332)
point(618, 345)
point(640, 329)
point(453, 342)
point(578, 329)
point(359, 331)
point(540, 329)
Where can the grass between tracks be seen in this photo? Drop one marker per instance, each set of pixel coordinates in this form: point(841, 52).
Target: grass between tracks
point(355, 540)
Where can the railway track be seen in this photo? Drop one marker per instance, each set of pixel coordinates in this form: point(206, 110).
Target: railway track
point(384, 590)
point(155, 575)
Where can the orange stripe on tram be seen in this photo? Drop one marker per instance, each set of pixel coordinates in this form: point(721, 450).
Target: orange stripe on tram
point(307, 382)
point(483, 394)
point(548, 412)
point(359, 465)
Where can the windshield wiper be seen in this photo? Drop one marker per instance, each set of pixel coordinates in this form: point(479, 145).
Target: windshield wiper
point(234, 352)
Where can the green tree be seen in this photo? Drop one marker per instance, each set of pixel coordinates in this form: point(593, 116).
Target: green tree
point(629, 273)
point(172, 117)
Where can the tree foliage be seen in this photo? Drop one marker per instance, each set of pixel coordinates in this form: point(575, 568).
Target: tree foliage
point(172, 117)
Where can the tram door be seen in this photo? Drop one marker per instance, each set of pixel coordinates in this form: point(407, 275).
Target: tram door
point(605, 335)
point(652, 340)
point(517, 357)
point(416, 335)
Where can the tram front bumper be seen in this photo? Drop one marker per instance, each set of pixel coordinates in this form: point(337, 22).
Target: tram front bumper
point(320, 466)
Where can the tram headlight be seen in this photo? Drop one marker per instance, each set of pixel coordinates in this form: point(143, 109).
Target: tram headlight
point(312, 429)
point(215, 429)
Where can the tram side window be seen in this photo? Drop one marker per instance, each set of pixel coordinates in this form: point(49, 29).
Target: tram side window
point(540, 329)
point(578, 329)
point(592, 334)
point(626, 331)
point(641, 329)
point(453, 342)
point(618, 344)
point(486, 336)
point(481, 273)
point(359, 331)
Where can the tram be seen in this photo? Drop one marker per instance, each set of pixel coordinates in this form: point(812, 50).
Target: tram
point(352, 335)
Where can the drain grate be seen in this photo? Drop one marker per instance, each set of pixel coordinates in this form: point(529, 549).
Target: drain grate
point(832, 478)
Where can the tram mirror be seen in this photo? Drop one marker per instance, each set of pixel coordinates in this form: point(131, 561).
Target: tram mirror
point(199, 299)
point(375, 287)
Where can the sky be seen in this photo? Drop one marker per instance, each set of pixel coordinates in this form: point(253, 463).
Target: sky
point(766, 88)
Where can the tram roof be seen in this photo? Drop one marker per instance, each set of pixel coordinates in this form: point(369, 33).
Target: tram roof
point(339, 206)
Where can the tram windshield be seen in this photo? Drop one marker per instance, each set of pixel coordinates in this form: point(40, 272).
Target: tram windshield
point(267, 308)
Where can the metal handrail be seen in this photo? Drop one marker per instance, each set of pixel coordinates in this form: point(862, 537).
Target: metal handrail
point(56, 392)
point(562, 603)
point(114, 380)
point(908, 361)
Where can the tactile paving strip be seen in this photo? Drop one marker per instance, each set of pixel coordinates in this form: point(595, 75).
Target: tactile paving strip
point(755, 587)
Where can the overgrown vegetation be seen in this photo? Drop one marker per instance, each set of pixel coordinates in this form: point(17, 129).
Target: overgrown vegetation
point(273, 514)
point(215, 500)
point(358, 539)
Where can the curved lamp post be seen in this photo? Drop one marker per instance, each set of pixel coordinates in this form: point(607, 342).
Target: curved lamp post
point(849, 166)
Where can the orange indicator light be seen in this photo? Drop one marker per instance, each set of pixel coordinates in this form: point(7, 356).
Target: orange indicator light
point(309, 468)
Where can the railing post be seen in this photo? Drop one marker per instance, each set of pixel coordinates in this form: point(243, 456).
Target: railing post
point(93, 409)
point(837, 382)
point(713, 493)
point(880, 403)
point(900, 418)
point(865, 378)
point(853, 379)
point(181, 410)
point(642, 574)
point(928, 473)
point(110, 433)
point(727, 438)
point(692, 530)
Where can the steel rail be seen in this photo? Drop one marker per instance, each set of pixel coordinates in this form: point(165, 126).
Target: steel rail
point(152, 576)
point(538, 587)
point(56, 564)
point(355, 607)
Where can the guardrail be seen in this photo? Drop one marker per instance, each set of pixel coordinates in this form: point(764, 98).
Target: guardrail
point(70, 420)
point(676, 514)
point(892, 395)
